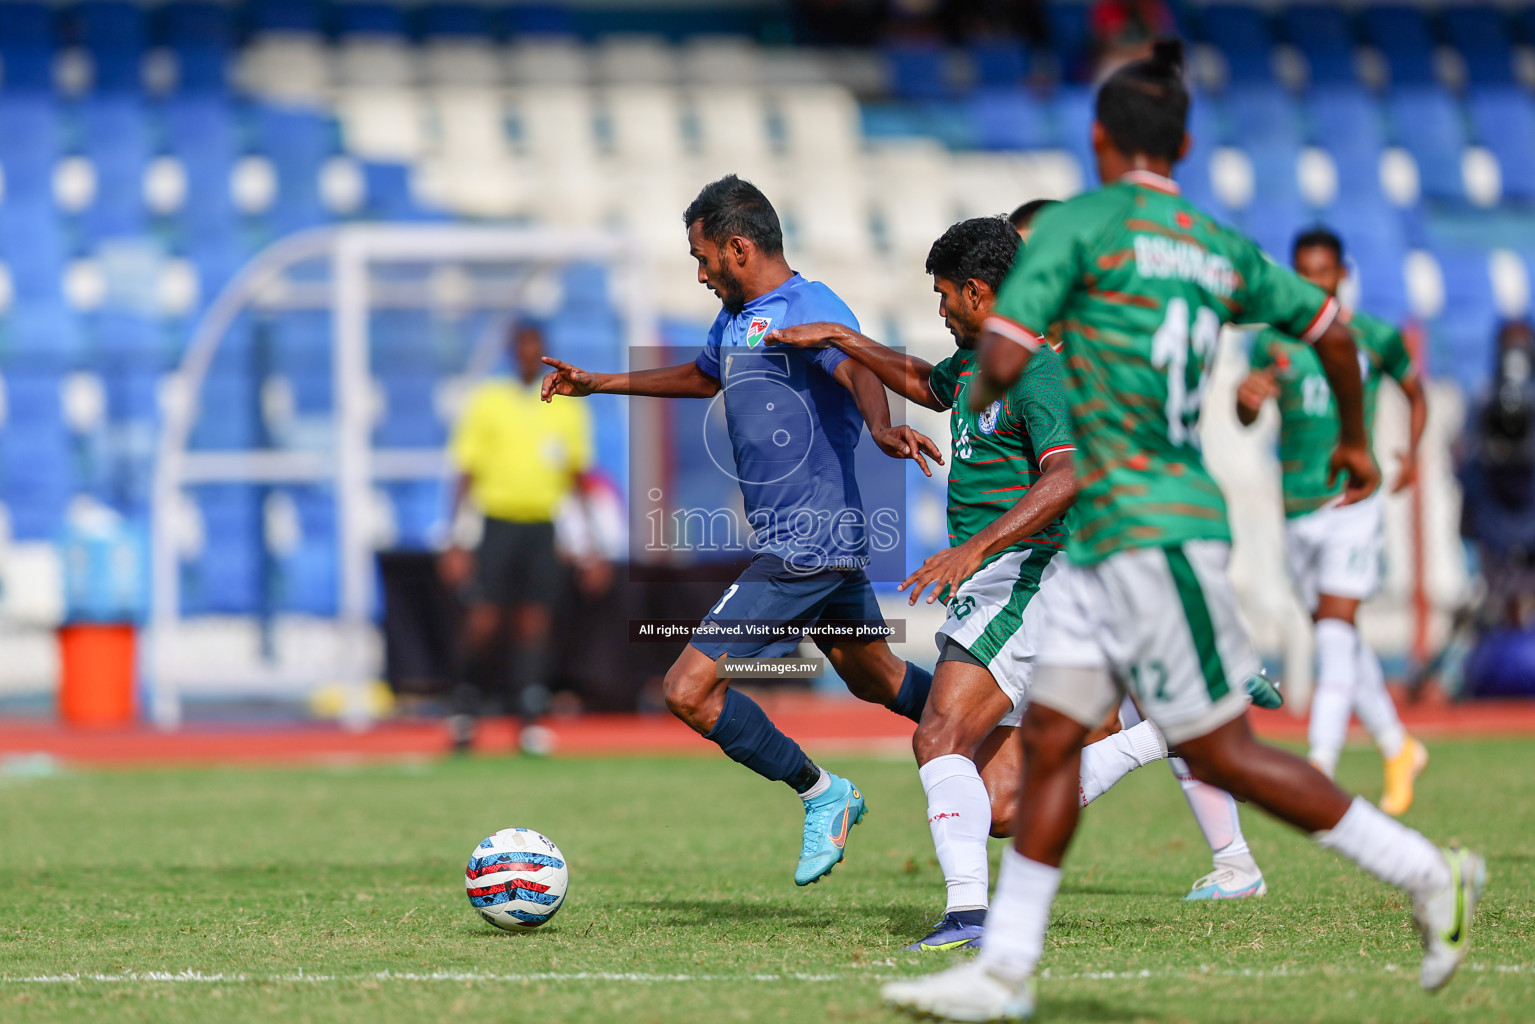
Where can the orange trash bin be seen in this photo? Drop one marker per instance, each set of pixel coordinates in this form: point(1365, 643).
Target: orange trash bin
point(97, 665)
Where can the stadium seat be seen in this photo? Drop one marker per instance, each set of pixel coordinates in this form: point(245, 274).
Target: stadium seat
point(1463, 332)
point(30, 144)
point(998, 63)
point(1257, 113)
point(1322, 34)
point(27, 46)
point(368, 18)
point(1401, 33)
point(919, 71)
point(1481, 34)
point(1072, 107)
point(420, 511)
point(113, 32)
point(297, 142)
point(1071, 39)
point(114, 133)
point(410, 417)
point(1427, 122)
point(1503, 120)
point(228, 412)
point(284, 16)
point(1008, 119)
point(1242, 34)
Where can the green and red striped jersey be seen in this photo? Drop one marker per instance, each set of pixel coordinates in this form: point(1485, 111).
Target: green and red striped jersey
point(996, 454)
point(1139, 283)
point(1308, 415)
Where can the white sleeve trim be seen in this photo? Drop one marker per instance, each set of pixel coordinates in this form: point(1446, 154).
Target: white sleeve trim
point(1014, 331)
point(1324, 318)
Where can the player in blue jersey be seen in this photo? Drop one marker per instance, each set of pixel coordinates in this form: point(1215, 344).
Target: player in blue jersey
point(793, 419)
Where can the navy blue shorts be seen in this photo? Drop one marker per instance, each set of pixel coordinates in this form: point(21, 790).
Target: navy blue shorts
point(768, 592)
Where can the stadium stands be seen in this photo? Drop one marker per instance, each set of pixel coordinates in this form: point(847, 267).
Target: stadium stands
point(147, 152)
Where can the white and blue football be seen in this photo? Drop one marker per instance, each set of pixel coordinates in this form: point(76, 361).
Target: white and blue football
point(516, 879)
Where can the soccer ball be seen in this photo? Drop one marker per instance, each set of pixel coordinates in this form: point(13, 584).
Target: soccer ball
point(516, 879)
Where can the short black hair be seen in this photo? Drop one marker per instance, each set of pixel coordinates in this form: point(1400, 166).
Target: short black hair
point(1144, 106)
point(1325, 237)
point(982, 248)
point(1025, 214)
point(733, 206)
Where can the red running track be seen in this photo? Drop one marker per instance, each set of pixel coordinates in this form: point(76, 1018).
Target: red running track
point(822, 725)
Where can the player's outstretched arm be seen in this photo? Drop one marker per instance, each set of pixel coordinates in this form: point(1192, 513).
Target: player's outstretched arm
point(1259, 387)
point(683, 381)
point(1340, 362)
point(906, 375)
point(902, 442)
point(1046, 501)
point(1005, 350)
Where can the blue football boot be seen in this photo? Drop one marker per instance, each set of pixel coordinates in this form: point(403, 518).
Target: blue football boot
point(958, 929)
point(828, 819)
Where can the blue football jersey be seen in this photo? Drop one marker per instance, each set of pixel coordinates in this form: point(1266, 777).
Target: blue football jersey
point(792, 427)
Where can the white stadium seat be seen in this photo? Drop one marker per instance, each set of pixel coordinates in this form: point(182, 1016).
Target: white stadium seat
point(382, 123)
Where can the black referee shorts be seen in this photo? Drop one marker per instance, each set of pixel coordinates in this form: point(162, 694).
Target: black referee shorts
point(516, 564)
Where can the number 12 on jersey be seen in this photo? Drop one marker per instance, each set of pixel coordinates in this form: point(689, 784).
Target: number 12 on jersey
point(1184, 348)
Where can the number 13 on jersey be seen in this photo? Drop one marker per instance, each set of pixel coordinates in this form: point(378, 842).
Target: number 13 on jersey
point(1184, 346)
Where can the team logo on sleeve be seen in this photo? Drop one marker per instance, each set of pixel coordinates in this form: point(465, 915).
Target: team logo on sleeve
point(989, 415)
point(757, 330)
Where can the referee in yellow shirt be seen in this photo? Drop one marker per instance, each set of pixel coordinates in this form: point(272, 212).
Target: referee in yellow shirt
point(518, 458)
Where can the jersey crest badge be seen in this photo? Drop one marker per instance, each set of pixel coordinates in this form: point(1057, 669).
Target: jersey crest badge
point(989, 416)
point(757, 330)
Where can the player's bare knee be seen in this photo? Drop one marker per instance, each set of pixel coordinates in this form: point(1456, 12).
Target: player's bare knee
point(939, 734)
point(1049, 738)
point(687, 691)
point(1004, 804)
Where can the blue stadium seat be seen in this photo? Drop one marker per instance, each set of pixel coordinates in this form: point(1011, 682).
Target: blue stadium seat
point(1323, 34)
point(131, 340)
point(298, 344)
point(1463, 332)
point(918, 71)
point(201, 132)
point(1402, 35)
point(284, 15)
point(27, 46)
point(114, 33)
point(454, 19)
point(1374, 239)
point(306, 579)
point(420, 507)
point(368, 18)
point(42, 335)
point(114, 134)
point(30, 143)
point(410, 419)
point(998, 63)
point(389, 195)
point(1482, 37)
point(297, 142)
point(1072, 107)
point(1071, 39)
point(133, 395)
point(1259, 113)
point(1428, 123)
point(1008, 119)
point(34, 247)
point(403, 341)
point(1193, 173)
point(226, 578)
point(1503, 120)
point(228, 412)
point(201, 36)
point(1274, 225)
point(1242, 33)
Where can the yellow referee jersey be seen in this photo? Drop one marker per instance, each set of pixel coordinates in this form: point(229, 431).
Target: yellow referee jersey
point(521, 455)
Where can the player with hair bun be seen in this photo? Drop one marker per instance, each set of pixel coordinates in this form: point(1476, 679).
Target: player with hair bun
point(1141, 283)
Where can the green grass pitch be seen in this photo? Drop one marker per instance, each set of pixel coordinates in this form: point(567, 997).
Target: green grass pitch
point(329, 894)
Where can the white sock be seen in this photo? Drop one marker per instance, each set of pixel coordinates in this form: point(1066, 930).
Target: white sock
point(1015, 927)
point(1373, 703)
point(821, 785)
point(1110, 759)
point(1386, 849)
point(1216, 812)
point(1333, 701)
point(959, 815)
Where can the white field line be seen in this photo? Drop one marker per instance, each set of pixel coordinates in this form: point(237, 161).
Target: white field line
point(532, 977)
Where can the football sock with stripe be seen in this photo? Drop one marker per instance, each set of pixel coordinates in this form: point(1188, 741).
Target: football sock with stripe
point(912, 698)
point(1373, 703)
point(1387, 849)
point(959, 815)
point(1015, 926)
point(1333, 701)
point(746, 735)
